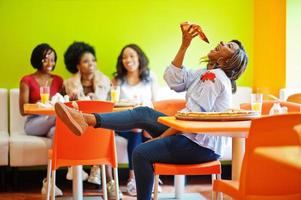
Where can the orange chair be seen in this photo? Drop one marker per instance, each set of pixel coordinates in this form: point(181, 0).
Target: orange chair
point(267, 105)
point(298, 130)
point(170, 107)
point(261, 178)
point(296, 98)
point(94, 147)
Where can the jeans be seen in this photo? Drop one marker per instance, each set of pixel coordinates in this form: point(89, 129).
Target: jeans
point(134, 139)
point(175, 149)
point(40, 125)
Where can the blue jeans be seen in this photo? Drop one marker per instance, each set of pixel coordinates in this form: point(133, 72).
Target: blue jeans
point(176, 149)
point(134, 139)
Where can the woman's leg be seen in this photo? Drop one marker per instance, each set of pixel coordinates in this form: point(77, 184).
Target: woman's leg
point(176, 149)
point(134, 139)
point(39, 125)
point(141, 117)
point(51, 132)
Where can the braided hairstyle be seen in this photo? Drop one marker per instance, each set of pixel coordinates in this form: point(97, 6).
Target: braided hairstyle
point(236, 65)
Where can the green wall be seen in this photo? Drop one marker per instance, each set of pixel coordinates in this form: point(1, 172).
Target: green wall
point(108, 25)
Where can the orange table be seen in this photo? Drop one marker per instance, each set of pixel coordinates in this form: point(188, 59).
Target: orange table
point(290, 156)
point(238, 130)
point(35, 109)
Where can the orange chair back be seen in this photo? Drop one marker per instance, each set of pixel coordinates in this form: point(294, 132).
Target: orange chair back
point(261, 176)
point(267, 105)
point(95, 146)
point(169, 107)
point(296, 98)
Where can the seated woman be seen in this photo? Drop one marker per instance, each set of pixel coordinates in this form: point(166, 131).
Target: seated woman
point(137, 85)
point(203, 94)
point(43, 59)
point(87, 83)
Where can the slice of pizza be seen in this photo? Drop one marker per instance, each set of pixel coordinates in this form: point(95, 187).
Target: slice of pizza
point(201, 34)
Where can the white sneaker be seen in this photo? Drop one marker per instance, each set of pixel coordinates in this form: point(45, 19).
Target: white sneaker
point(69, 175)
point(57, 190)
point(111, 190)
point(131, 187)
point(94, 175)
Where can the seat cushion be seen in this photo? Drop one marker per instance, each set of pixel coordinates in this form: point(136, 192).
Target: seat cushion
point(121, 147)
point(4, 144)
point(28, 150)
point(213, 167)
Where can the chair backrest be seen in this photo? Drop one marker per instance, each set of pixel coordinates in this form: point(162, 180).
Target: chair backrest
point(295, 98)
point(3, 111)
point(242, 95)
point(286, 92)
point(95, 146)
point(164, 93)
point(261, 176)
point(16, 120)
point(169, 107)
point(267, 105)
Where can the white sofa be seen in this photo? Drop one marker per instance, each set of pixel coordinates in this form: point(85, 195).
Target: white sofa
point(25, 150)
point(284, 93)
point(4, 136)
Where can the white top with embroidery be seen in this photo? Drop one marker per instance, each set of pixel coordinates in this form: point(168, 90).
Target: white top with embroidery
point(202, 96)
point(143, 92)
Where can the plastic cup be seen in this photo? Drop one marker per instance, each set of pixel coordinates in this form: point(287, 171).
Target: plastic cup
point(115, 93)
point(256, 102)
point(44, 94)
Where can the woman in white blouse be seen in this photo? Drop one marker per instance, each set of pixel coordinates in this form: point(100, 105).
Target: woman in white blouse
point(137, 85)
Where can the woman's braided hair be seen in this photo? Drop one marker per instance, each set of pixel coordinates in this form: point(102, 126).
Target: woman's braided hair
point(236, 65)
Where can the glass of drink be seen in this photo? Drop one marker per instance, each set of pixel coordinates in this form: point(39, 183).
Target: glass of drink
point(44, 94)
point(115, 93)
point(256, 102)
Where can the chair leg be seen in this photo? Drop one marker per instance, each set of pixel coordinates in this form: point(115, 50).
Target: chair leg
point(213, 193)
point(156, 187)
point(104, 182)
point(219, 194)
point(116, 183)
point(48, 179)
point(53, 185)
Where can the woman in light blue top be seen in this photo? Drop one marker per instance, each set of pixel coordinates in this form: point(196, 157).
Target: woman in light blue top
point(208, 90)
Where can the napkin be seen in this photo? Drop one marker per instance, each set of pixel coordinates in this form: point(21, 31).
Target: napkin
point(56, 98)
